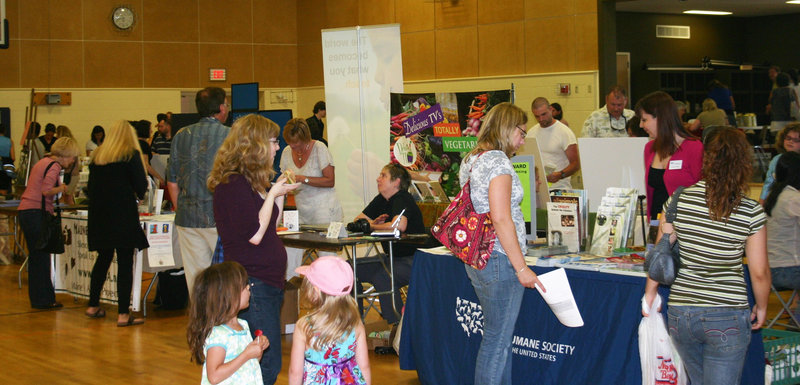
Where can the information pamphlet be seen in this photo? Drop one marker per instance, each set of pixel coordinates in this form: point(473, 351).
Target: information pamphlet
point(562, 225)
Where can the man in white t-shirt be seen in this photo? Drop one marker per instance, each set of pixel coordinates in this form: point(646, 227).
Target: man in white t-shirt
point(557, 144)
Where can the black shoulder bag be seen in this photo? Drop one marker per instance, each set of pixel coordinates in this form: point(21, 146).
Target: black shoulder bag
point(51, 240)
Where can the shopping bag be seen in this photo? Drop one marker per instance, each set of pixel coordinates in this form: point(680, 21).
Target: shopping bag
point(661, 364)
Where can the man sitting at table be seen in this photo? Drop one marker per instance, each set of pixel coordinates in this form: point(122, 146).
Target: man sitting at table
point(392, 199)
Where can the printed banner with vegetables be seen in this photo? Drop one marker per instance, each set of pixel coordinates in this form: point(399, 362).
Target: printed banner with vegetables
point(431, 132)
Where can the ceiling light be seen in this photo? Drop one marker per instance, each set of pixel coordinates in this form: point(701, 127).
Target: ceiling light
point(793, 2)
point(700, 12)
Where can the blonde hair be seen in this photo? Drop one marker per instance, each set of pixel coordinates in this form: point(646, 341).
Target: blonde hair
point(119, 145)
point(497, 131)
point(65, 147)
point(64, 131)
point(709, 104)
point(246, 151)
point(331, 316)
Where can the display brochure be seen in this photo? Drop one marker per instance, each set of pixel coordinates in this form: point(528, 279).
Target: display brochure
point(562, 225)
point(631, 194)
point(559, 297)
point(578, 197)
point(608, 229)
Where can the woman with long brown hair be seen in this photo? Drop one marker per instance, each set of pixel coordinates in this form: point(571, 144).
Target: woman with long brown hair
point(709, 316)
point(246, 210)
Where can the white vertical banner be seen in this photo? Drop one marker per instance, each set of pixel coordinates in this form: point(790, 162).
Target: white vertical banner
point(362, 65)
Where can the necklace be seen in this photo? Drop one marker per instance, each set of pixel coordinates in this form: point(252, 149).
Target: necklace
point(300, 154)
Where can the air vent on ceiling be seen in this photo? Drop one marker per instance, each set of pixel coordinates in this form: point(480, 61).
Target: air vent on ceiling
point(672, 31)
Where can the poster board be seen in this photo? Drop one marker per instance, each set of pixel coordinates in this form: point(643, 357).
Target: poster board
point(611, 162)
point(531, 147)
point(524, 167)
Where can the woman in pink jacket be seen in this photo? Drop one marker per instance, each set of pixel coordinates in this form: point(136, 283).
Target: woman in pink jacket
point(674, 157)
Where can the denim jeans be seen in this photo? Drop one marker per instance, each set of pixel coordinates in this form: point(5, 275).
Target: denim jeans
point(786, 277)
point(40, 287)
point(264, 313)
point(500, 295)
point(711, 341)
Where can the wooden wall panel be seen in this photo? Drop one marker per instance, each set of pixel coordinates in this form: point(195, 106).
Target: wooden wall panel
point(311, 18)
point(586, 50)
point(309, 65)
point(48, 19)
point(414, 15)
point(174, 20)
point(457, 53)
point(459, 14)
point(341, 13)
point(369, 13)
point(172, 65)
point(275, 65)
point(230, 21)
point(585, 6)
point(112, 64)
point(537, 9)
point(276, 22)
point(501, 49)
point(542, 36)
point(418, 55)
point(10, 63)
point(236, 58)
point(493, 11)
point(12, 11)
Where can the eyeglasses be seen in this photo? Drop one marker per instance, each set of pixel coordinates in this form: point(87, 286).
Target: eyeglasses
point(522, 132)
point(273, 141)
point(793, 139)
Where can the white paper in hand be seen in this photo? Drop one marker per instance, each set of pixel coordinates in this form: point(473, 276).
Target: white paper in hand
point(559, 297)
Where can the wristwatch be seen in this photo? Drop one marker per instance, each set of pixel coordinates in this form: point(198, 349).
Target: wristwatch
point(305, 181)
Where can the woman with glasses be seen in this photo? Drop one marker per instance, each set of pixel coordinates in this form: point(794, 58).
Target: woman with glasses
point(246, 210)
point(788, 140)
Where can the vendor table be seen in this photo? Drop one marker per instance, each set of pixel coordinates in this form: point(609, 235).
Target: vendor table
point(72, 270)
point(442, 329)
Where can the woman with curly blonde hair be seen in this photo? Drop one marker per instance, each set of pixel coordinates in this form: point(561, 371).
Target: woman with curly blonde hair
point(246, 210)
point(716, 223)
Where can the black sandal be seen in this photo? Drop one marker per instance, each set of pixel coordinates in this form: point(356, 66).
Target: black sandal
point(100, 313)
point(131, 321)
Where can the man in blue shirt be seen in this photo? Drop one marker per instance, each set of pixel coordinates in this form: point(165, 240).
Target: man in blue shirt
point(191, 159)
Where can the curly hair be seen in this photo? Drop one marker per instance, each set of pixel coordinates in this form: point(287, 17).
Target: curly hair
point(727, 167)
point(215, 300)
point(246, 151)
point(779, 140)
point(331, 316)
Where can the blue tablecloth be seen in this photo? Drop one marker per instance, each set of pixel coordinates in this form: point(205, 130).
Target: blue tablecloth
point(442, 330)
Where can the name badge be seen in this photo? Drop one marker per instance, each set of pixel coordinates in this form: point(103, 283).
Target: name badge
point(675, 164)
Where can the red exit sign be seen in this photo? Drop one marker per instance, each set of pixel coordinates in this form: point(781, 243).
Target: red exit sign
point(217, 74)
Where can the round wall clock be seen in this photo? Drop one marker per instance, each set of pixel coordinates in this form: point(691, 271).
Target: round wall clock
point(123, 17)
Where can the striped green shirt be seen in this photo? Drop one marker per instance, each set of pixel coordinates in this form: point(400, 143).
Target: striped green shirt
point(711, 272)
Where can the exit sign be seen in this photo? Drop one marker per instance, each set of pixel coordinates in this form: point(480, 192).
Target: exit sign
point(217, 74)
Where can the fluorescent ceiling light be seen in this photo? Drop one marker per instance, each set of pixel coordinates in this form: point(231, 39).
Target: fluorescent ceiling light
point(699, 12)
point(793, 2)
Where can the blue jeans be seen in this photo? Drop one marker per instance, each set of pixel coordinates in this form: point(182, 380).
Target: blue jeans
point(264, 313)
point(786, 277)
point(712, 342)
point(500, 295)
point(40, 287)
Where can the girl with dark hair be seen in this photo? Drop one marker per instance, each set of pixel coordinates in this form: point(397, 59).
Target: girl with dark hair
point(674, 157)
point(783, 224)
point(788, 140)
point(558, 113)
point(709, 319)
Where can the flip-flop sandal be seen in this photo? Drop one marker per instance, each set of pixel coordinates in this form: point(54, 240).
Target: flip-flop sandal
point(100, 313)
point(131, 321)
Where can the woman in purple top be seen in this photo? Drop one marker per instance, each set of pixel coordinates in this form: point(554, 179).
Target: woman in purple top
point(246, 210)
point(674, 157)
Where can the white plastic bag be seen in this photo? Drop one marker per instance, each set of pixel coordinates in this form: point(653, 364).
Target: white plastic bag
point(660, 361)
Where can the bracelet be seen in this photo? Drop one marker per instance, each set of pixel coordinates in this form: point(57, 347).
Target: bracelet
point(520, 270)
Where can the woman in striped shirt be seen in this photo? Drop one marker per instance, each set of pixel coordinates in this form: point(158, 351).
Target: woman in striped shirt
point(709, 316)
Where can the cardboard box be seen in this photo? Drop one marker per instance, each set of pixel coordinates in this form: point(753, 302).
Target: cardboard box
point(290, 307)
point(373, 343)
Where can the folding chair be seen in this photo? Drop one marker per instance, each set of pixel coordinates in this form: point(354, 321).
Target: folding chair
point(793, 322)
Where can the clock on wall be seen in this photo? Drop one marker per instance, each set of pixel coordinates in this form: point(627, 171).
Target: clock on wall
point(123, 17)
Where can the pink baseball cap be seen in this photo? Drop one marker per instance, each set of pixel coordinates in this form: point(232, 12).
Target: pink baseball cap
point(331, 275)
